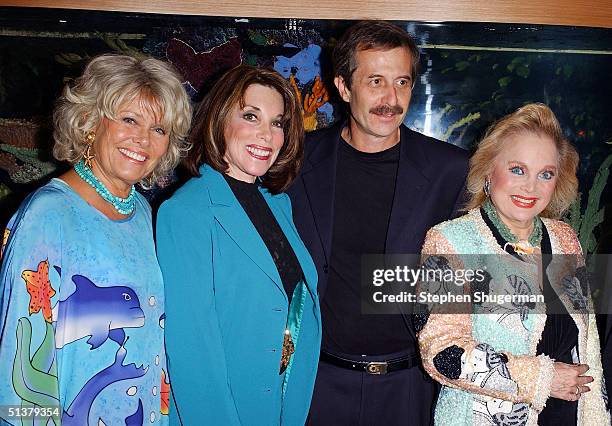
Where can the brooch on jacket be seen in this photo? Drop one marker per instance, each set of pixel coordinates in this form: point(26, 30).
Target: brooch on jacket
point(522, 247)
point(288, 349)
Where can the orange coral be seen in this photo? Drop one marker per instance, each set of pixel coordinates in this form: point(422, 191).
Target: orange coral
point(311, 102)
point(165, 394)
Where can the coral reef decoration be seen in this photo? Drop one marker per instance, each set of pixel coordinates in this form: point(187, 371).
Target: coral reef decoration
point(311, 101)
point(198, 67)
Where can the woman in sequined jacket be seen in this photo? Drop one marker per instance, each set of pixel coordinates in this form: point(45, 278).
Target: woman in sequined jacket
point(519, 362)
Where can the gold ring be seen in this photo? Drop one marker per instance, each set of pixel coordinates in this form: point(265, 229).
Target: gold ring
point(577, 390)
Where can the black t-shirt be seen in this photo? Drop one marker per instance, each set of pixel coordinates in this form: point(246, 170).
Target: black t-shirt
point(256, 208)
point(365, 185)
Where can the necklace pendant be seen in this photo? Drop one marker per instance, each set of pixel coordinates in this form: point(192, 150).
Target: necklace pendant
point(523, 247)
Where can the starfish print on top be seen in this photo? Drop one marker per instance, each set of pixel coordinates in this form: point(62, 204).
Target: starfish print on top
point(40, 290)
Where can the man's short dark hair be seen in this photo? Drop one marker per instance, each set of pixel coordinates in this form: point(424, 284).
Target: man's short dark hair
point(367, 35)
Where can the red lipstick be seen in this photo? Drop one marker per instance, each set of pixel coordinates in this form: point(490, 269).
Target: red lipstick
point(523, 202)
point(259, 152)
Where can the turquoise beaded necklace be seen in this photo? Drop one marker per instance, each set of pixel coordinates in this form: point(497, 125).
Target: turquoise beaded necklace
point(122, 205)
point(534, 239)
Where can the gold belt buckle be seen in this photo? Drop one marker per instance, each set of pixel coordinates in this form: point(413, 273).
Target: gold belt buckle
point(376, 368)
point(288, 349)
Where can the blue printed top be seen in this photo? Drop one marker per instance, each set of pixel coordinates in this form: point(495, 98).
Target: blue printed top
point(81, 315)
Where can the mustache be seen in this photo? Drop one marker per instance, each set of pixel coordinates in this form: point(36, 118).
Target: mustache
point(387, 109)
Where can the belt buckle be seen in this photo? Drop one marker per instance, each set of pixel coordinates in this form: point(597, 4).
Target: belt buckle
point(376, 368)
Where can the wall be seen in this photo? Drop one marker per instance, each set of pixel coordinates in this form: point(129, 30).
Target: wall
point(592, 13)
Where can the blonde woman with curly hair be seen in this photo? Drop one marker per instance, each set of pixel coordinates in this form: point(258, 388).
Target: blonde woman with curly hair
point(82, 298)
point(522, 362)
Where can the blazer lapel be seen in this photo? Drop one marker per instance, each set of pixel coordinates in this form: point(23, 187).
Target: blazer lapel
point(410, 185)
point(319, 176)
point(238, 226)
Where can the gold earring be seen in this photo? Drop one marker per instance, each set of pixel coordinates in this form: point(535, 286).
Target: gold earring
point(88, 156)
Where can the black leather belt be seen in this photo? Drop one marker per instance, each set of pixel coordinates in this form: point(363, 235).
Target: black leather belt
point(372, 367)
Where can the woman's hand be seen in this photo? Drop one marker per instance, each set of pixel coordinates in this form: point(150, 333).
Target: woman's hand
point(568, 381)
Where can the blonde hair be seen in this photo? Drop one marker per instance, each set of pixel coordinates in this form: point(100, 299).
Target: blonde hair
point(533, 118)
point(110, 81)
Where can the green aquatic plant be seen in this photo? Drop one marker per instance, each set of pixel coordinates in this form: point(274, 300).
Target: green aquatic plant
point(459, 123)
point(115, 42)
point(69, 59)
point(257, 37)
point(35, 378)
point(585, 224)
point(5, 191)
point(504, 81)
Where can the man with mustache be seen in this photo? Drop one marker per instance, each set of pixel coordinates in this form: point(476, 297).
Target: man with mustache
point(370, 185)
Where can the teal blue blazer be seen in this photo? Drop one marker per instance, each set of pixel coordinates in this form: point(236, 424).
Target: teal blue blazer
point(226, 311)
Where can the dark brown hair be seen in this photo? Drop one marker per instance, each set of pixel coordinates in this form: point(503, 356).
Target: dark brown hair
point(367, 35)
point(213, 114)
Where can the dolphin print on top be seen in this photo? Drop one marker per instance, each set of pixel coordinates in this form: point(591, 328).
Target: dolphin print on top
point(95, 312)
point(60, 319)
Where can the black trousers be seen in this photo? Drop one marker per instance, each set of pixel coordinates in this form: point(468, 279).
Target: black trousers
point(353, 398)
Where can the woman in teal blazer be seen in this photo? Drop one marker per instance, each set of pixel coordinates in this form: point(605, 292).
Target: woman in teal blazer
point(243, 325)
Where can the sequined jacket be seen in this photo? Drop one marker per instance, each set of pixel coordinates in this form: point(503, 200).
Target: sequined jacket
point(485, 355)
